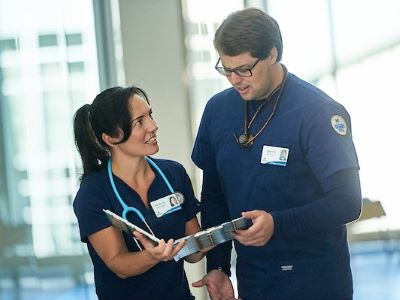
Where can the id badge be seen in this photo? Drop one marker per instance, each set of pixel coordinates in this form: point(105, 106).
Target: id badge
point(274, 155)
point(165, 205)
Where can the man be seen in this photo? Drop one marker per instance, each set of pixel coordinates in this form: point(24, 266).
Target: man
point(296, 245)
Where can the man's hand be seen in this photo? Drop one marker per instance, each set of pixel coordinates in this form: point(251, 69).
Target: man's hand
point(260, 232)
point(218, 285)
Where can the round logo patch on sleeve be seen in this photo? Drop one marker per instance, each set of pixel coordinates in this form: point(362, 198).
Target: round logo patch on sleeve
point(339, 124)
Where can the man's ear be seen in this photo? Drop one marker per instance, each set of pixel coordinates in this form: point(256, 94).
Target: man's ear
point(273, 55)
point(109, 140)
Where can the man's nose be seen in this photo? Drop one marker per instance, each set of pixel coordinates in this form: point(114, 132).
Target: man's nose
point(235, 78)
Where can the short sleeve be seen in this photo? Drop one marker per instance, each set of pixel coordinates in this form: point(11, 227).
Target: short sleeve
point(203, 152)
point(191, 205)
point(329, 146)
point(88, 206)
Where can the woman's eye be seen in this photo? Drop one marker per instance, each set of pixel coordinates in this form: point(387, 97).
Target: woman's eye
point(139, 123)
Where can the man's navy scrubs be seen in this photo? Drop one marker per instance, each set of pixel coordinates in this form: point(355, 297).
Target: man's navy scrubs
point(166, 280)
point(311, 195)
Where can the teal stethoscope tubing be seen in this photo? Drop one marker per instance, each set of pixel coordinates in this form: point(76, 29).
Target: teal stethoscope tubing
point(127, 208)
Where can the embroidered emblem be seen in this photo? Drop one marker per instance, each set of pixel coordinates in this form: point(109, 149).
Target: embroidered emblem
point(339, 124)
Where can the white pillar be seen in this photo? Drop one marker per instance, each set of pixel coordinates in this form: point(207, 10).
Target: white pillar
point(154, 59)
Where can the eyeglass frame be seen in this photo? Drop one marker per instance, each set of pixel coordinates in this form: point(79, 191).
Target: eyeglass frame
point(223, 71)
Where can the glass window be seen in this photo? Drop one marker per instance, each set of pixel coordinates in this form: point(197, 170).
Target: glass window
point(306, 39)
point(73, 39)
point(364, 27)
point(47, 40)
point(76, 67)
point(47, 71)
point(8, 45)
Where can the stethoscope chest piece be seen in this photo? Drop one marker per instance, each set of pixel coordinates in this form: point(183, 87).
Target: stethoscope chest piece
point(245, 140)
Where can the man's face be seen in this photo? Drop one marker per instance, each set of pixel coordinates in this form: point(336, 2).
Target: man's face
point(257, 86)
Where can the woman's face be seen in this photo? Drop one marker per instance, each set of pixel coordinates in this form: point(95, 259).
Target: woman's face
point(143, 138)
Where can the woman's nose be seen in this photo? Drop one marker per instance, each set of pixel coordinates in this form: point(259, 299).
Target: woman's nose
point(153, 126)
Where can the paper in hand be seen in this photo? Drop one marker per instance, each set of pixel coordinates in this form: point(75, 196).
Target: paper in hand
point(127, 226)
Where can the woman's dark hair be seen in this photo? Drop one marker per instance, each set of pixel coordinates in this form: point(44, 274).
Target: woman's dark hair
point(110, 114)
point(248, 30)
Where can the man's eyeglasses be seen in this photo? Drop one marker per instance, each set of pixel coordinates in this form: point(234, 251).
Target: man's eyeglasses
point(242, 72)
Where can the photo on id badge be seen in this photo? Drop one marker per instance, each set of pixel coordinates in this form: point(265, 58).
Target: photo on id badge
point(173, 201)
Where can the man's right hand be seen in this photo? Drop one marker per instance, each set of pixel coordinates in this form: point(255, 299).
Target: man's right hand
point(218, 285)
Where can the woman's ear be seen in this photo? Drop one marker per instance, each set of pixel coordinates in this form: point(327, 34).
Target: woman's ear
point(109, 140)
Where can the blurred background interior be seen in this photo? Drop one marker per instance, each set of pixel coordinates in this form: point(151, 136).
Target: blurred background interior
point(56, 55)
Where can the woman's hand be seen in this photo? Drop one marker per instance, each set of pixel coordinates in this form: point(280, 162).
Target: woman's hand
point(164, 251)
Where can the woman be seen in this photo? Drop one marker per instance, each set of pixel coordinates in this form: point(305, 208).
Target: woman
point(114, 136)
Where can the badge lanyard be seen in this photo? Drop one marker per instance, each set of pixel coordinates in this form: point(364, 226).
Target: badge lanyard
point(127, 208)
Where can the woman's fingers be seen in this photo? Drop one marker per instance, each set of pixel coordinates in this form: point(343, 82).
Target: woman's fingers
point(164, 251)
point(178, 247)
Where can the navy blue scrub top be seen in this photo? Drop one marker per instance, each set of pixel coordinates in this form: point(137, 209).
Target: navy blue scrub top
point(164, 280)
point(296, 263)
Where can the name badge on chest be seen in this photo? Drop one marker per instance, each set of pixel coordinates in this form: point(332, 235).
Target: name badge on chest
point(274, 155)
point(165, 205)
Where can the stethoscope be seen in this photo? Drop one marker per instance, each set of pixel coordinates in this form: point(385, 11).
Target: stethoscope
point(245, 139)
point(126, 208)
